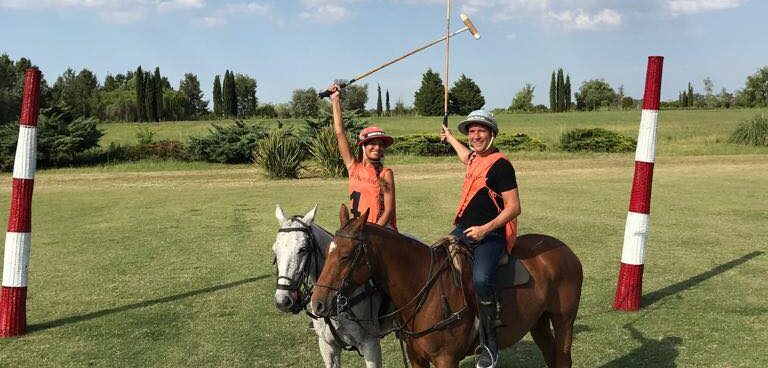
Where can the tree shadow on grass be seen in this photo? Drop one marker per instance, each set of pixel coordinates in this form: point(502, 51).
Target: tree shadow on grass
point(651, 353)
point(657, 295)
point(147, 303)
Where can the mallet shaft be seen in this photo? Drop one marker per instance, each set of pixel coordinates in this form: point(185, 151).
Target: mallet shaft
point(327, 93)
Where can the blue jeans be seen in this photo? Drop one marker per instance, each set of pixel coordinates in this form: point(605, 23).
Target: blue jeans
point(486, 253)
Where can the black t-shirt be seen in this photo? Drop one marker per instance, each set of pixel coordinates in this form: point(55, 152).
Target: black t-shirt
point(481, 210)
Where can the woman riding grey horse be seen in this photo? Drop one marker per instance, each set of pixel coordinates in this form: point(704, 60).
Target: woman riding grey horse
point(300, 250)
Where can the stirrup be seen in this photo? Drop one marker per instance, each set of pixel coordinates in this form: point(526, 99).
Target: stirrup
point(484, 349)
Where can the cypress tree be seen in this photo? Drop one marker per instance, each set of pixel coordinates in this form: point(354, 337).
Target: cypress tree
point(217, 99)
point(691, 98)
point(378, 100)
point(225, 94)
point(158, 94)
point(389, 113)
point(560, 91)
point(568, 92)
point(232, 92)
point(150, 96)
point(552, 94)
point(140, 95)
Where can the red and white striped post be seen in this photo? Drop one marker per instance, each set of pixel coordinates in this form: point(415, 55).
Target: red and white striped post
point(630, 285)
point(13, 298)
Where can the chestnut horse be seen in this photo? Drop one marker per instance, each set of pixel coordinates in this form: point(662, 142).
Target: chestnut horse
point(437, 304)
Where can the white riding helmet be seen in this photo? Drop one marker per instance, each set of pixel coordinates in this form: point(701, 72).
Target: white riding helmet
point(480, 117)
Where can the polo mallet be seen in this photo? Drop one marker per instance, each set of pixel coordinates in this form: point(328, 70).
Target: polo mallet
point(447, 54)
point(468, 27)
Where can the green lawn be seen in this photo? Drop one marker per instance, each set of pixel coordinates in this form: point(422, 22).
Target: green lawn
point(169, 264)
point(681, 132)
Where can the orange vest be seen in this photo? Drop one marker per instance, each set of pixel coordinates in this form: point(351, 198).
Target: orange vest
point(365, 192)
point(474, 180)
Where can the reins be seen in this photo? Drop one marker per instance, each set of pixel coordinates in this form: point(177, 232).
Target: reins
point(433, 274)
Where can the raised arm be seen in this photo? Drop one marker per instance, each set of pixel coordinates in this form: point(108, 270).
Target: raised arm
point(461, 150)
point(338, 127)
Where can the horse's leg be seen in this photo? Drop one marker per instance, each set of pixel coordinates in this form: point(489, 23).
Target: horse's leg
point(447, 362)
point(563, 325)
point(330, 352)
point(416, 360)
point(542, 336)
point(371, 350)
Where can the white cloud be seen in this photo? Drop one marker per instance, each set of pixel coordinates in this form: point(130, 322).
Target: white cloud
point(123, 11)
point(580, 20)
point(681, 7)
point(171, 5)
point(326, 11)
point(583, 15)
point(211, 22)
point(221, 16)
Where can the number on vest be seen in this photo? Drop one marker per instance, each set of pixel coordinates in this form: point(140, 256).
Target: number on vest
point(355, 198)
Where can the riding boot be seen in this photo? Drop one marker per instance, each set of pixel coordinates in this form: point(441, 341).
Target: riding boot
point(489, 354)
point(499, 321)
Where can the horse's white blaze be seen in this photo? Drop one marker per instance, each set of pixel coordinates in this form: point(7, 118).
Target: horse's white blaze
point(331, 247)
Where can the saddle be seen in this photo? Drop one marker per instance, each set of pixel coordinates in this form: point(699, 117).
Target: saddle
point(511, 271)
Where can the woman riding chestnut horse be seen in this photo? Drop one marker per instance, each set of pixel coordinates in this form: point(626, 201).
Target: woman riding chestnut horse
point(436, 311)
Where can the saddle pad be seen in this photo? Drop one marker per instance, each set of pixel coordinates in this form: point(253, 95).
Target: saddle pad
point(512, 274)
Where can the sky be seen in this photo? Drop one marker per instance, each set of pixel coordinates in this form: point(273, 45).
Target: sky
point(291, 44)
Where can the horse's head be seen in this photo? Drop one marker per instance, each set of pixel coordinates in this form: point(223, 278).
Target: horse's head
point(295, 253)
point(346, 266)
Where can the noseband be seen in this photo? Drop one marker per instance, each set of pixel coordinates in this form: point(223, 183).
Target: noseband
point(361, 249)
point(301, 285)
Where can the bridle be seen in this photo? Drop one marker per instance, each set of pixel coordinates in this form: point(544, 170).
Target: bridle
point(433, 273)
point(343, 304)
point(301, 284)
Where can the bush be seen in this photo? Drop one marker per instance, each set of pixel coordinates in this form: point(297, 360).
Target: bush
point(519, 142)
point(430, 145)
point(279, 154)
point(59, 142)
point(596, 140)
point(233, 144)
point(325, 151)
point(751, 132)
point(145, 135)
point(421, 145)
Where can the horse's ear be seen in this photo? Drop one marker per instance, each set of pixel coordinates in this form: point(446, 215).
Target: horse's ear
point(343, 215)
point(310, 216)
point(280, 215)
point(365, 215)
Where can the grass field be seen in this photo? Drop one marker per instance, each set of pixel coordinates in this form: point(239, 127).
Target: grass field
point(169, 264)
point(681, 132)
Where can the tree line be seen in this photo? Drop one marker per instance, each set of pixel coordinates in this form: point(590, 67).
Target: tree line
point(147, 96)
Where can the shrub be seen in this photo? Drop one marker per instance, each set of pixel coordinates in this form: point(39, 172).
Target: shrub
point(430, 145)
point(145, 135)
point(751, 132)
point(233, 144)
point(324, 149)
point(421, 145)
point(519, 142)
point(596, 140)
point(59, 142)
point(279, 154)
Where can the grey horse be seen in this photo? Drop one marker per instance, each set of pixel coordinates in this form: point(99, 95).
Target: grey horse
point(300, 250)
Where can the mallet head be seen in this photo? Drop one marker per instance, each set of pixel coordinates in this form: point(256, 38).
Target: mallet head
point(472, 29)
